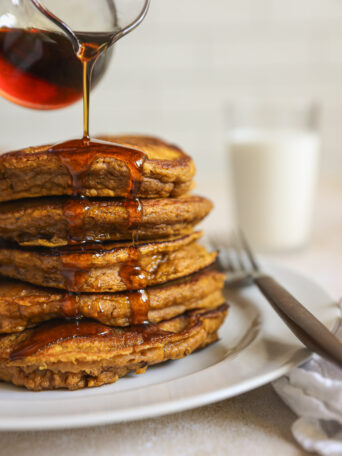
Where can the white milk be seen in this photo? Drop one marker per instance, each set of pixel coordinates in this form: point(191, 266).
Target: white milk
point(274, 177)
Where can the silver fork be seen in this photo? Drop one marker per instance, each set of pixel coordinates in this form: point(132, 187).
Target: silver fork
point(239, 261)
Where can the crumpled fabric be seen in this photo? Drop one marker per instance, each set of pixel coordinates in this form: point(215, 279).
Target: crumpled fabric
point(314, 392)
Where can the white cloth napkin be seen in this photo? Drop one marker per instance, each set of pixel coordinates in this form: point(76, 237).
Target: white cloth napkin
point(314, 392)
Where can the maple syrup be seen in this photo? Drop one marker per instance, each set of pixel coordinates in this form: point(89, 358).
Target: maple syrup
point(39, 68)
point(139, 312)
point(74, 210)
point(77, 156)
point(75, 266)
point(134, 277)
point(56, 331)
point(139, 302)
point(69, 306)
point(134, 211)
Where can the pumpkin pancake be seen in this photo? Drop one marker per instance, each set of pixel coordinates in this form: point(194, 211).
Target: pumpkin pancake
point(83, 353)
point(106, 267)
point(23, 306)
point(60, 221)
point(145, 167)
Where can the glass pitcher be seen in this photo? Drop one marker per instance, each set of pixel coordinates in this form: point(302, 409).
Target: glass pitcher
point(39, 68)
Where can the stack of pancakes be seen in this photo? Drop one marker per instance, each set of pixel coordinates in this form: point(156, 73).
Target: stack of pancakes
point(102, 272)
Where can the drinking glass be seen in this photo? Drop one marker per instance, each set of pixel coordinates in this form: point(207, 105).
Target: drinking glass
point(274, 154)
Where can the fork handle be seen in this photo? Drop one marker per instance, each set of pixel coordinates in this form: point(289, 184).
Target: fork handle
point(310, 331)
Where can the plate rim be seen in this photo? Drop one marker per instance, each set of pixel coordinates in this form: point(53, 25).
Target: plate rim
point(84, 420)
point(169, 406)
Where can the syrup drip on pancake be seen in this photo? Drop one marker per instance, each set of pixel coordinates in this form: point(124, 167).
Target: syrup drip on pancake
point(74, 211)
point(74, 265)
point(134, 277)
point(131, 273)
point(69, 306)
point(77, 156)
point(56, 331)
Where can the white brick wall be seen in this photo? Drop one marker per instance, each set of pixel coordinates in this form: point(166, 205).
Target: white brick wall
point(171, 76)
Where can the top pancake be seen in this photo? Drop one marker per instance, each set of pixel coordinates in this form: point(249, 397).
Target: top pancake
point(36, 171)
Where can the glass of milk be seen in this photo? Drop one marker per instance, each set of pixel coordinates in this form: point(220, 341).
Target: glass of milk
point(274, 155)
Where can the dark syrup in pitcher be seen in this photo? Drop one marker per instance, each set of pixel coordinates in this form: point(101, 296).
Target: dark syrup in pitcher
point(39, 69)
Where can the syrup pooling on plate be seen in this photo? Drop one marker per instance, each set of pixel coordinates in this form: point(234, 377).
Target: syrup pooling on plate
point(56, 331)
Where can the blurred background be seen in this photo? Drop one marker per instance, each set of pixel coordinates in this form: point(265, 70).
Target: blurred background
point(174, 74)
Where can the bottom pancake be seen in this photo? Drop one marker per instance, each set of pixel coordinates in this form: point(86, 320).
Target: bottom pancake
point(23, 305)
point(83, 353)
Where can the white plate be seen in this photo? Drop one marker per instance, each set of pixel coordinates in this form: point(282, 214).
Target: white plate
point(255, 348)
